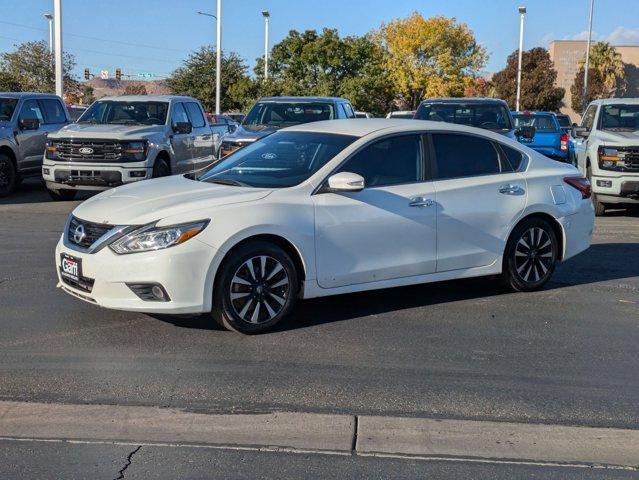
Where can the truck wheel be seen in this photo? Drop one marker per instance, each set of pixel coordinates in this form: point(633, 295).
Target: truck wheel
point(161, 168)
point(63, 195)
point(600, 208)
point(8, 176)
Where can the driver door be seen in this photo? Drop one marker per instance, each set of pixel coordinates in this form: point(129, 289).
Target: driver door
point(181, 142)
point(32, 142)
point(385, 231)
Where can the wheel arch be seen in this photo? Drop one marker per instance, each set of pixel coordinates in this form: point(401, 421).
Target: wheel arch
point(164, 155)
point(557, 227)
point(8, 151)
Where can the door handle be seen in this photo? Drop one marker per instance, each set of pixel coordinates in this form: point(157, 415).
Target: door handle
point(421, 202)
point(511, 189)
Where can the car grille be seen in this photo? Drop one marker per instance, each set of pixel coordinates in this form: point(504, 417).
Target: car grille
point(92, 231)
point(92, 151)
point(82, 283)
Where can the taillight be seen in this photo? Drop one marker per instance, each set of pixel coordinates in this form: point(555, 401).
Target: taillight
point(580, 183)
point(564, 141)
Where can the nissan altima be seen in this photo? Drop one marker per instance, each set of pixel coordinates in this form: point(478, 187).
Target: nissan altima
point(322, 209)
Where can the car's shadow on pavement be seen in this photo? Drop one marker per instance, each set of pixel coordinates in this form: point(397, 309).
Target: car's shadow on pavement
point(600, 263)
point(33, 190)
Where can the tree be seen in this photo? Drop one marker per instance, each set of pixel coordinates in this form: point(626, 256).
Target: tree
point(479, 87)
point(429, 57)
point(135, 88)
point(605, 58)
point(87, 94)
point(29, 69)
point(538, 75)
point(596, 89)
point(196, 77)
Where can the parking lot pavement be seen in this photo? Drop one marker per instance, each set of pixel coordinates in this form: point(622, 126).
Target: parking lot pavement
point(463, 349)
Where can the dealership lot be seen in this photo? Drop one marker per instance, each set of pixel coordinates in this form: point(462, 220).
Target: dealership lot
point(463, 349)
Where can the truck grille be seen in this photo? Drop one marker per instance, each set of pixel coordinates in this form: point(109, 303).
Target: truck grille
point(88, 151)
point(92, 231)
point(631, 158)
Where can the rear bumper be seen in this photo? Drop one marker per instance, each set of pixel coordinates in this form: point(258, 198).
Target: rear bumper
point(578, 229)
point(92, 176)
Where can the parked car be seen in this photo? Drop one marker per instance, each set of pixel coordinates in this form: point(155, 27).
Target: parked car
point(127, 139)
point(237, 116)
point(227, 122)
point(363, 115)
point(607, 148)
point(270, 114)
point(549, 139)
point(566, 127)
point(25, 121)
point(327, 208)
point(486, 113)
point(408, 114)
point(76, 111)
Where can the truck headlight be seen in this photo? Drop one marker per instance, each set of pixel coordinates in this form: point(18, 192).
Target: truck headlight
point(150, 237)
point(135, 150)
point(50, 150)
point(611, 158)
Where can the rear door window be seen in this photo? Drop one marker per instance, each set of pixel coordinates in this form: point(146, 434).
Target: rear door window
point(459, 155)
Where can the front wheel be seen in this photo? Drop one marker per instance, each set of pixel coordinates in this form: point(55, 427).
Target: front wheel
point(530, 256)
point(161, 168)
point(255, 289)
point(8, 176)
point(600, 208)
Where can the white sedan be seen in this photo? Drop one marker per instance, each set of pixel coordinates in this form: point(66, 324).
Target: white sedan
point(327, 208)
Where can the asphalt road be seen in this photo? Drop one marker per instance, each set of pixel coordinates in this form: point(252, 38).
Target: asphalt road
point(465, 349)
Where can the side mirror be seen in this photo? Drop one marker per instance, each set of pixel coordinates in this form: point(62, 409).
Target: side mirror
point(182, 127)
point(580, 132)
point(574, 124)
point(346, 182)
point(232, 128)
point(29, 124)
point(526, 131)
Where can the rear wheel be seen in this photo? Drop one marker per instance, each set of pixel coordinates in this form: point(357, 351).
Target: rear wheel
point(600, 208)
point(530, 256)
point(63, 194)
point(161, 168)
point(8, 176)
point(255, 289)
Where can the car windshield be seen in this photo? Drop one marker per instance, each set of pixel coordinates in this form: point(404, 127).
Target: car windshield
point(488, 116)
point(115, 112)
point(542, 123)
point(280, 160)
point(280, 114)
point(7, 106)
point(620, 118)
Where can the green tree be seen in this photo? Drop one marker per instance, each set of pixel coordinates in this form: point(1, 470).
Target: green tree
point(596, 88)
point(87, 94)
point(607, 61)
point(538, 91)
point(29, 69)
point(196, 77)
point(135, 88)
point(429, 57)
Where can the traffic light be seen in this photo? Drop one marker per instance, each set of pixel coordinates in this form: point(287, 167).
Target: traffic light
point(118, 74)
point(87, 75)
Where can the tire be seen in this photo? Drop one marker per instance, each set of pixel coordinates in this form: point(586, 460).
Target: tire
point(519, 273)
point(8, 176)
point(256, 288)
point(600, 208)
point(161, 168)
point(62, 195)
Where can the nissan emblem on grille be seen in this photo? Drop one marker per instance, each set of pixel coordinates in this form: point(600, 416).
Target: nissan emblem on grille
point(86, 151)
point(79, 234)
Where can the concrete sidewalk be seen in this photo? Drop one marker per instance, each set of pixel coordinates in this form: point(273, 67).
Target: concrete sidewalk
point(325, 433)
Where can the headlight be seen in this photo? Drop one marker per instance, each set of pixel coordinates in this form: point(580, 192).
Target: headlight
point(611, 158)
point(50, 151)
point(150, 237)
point(135, 150)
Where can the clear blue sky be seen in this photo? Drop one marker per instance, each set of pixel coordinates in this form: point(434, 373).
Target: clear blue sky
point(173, 28)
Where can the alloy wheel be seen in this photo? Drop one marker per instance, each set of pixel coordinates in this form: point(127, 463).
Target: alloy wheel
point(534, 255)
point(259, 289)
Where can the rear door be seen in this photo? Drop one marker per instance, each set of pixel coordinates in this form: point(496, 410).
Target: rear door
point(202, 136)
point(181, 142)
point(479, 198)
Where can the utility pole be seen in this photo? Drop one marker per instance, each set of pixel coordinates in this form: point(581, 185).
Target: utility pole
point(57, 12)
point(522, 14)
point(266, 16)
point(218, 59)
point(584, 102)
point(49, 17)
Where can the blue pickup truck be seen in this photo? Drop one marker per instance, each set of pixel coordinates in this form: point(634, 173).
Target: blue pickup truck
point(549, 139)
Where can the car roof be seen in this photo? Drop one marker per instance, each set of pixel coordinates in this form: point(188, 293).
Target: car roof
point(533, 113)
point(454, 100)
point(27, 94)
point(616, 101)
point(148, 98)
point(302, 99)
point(360, 127)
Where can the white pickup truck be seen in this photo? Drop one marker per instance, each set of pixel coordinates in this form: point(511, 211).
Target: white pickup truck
point(607, 150)
point(125, 139)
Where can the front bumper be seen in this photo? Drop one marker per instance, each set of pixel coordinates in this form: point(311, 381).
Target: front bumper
point(92, 176)
point(183, 271)
point(622, 188)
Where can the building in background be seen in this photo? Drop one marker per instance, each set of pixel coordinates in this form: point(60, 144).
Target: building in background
point(566, 55)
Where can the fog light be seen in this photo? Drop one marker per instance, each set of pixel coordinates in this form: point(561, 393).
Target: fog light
point(157, 292)
point(137, 174)
point(45, 171)
point(604, 183)
point(149, 292)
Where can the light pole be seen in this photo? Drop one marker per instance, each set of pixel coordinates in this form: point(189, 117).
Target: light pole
point(218, 54)
point(522, 14)
point(266, 16)
point(57, 12)
point(49, 17)
point(584, 102)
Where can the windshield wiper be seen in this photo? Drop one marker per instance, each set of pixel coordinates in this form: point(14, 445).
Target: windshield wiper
point(226, 181)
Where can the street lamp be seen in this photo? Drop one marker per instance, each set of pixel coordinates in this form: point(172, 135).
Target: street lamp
point(57, 17)
point(218, 54)
point(522, 14)
point(584, 100)
point(49, 17)
point(266, 16)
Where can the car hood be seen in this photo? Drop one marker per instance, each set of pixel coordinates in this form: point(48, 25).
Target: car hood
point(92, 130)
point(250, 132)
point(143, 202)
point(628, 138)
